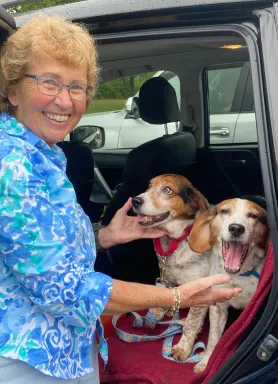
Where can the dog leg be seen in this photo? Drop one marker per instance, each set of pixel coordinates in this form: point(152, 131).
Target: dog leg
point(191, 328)
point(217, 317)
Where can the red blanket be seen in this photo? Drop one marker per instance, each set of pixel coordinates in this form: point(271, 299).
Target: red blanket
point(143, 362)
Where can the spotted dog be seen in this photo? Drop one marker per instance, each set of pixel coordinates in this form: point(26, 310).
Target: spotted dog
point(172, 203)
point(236, 232)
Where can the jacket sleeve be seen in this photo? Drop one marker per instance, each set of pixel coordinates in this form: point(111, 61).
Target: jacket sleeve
point(46, 260)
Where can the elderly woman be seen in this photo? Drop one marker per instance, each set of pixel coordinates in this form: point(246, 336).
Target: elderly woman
point(51, 297)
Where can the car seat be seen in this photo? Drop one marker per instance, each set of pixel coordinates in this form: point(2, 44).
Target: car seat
point(171, 153)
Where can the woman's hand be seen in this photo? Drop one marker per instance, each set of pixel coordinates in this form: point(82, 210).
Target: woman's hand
point(199, 293)
point(123, 229)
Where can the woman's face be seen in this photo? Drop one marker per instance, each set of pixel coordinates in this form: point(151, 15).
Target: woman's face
point(33, 109)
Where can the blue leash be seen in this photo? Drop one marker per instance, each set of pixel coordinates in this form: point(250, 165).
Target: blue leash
point(175, 327)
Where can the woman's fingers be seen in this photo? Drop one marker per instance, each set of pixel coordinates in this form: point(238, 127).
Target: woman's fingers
point(200, 293)
point(214, 295)
point(207, 282)
point(128, 205)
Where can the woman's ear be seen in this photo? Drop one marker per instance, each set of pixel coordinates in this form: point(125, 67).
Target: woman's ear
point(200, 235)
point(12, 97)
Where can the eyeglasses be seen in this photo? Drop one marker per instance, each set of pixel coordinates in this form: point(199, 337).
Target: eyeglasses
point(52, 87)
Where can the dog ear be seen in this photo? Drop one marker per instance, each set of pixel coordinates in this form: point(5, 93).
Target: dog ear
point(200, 235)
point(198, 199)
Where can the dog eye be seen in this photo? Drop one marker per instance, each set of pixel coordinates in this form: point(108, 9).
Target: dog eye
point(224, 211)
point(167, 190)
point(252, 215)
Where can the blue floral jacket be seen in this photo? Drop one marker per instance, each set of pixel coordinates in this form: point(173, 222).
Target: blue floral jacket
point(50, 296)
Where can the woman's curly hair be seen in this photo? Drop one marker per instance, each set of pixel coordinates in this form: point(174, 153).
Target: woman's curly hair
point(54, 36)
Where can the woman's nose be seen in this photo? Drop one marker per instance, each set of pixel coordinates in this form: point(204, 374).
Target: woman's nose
point(63, 98)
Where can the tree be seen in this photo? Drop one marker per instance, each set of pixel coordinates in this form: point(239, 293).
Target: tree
point(36, 5)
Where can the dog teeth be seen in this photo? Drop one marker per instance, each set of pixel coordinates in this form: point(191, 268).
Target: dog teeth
point(150, 220)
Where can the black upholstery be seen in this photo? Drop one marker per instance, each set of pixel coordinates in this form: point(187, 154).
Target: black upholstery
point(80, 171)
point(158, 104)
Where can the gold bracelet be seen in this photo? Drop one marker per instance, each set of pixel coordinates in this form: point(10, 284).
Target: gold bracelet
point(177, 302)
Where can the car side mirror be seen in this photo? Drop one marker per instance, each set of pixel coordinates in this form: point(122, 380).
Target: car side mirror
point(90, 134)
point(132, 107)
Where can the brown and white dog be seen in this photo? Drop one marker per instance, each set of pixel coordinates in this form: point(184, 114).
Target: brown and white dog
point(236, 231)
point(172, 203)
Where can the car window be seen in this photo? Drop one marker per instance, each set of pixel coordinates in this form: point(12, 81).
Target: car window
point(230, 104)
point(175, 82)
point(222, 84)
point(115, 109)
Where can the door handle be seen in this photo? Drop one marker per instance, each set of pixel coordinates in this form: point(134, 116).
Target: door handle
point(223, 132)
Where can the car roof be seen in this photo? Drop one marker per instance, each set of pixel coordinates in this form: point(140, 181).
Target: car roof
point(99, 8)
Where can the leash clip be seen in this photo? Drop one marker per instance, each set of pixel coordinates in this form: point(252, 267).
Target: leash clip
point(161, 281)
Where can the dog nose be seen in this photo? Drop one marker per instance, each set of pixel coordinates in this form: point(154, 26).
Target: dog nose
point(137, 202)
point(236, 229)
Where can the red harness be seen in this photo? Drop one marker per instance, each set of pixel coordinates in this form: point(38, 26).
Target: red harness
point(173, 245)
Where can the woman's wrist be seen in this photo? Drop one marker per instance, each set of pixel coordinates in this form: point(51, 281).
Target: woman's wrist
point(107, 238)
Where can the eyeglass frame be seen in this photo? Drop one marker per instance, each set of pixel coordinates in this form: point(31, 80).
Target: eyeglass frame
point(37, 77)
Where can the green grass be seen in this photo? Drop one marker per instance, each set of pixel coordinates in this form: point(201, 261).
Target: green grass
point(102, 105)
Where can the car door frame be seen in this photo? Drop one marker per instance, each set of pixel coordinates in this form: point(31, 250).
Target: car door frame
point(246, 354)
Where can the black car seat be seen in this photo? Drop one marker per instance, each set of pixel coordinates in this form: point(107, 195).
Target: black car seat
point(171, 153)
point(80, 171)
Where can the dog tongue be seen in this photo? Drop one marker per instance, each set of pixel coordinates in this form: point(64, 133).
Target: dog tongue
point(233, 256)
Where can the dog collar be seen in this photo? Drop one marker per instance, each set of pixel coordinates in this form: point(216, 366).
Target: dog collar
point(173, 244)
point(249, 273)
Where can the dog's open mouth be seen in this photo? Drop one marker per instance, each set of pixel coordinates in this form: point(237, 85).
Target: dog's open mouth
point(234, 254)
point(151, 220)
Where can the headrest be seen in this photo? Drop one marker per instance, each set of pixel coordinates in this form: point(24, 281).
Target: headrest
point(167, 154)
point(158, 102)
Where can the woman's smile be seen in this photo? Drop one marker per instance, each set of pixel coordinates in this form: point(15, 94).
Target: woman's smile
point(58, 118)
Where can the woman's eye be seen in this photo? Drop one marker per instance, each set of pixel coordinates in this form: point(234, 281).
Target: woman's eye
point(78, 88)
point(167, 190)
point(224, 211)
point(252, 215)
point(50, 83)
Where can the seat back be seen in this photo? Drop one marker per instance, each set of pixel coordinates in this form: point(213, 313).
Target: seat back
point(80, 171)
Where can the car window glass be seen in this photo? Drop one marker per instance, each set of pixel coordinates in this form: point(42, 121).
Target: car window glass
point(115, 108)
point(229, 103)
point(222, 84)
point(175, 82)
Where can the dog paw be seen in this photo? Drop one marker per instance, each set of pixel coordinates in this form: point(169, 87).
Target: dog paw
point(201, 366)
point(180, 353)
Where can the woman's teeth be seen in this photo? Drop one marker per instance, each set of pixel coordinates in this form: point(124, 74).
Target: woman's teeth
point(59, 118)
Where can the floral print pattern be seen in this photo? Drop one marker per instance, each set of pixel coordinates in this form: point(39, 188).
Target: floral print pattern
point(50, 296)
